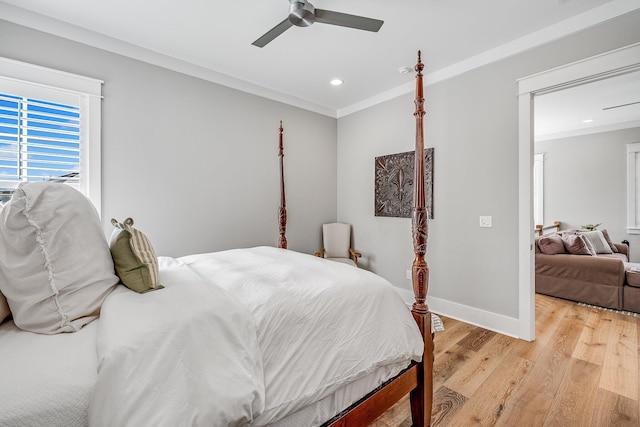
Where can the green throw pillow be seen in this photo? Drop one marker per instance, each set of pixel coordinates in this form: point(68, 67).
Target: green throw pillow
point(135, 261)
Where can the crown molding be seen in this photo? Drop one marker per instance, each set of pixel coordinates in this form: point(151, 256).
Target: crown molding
point(564, 28)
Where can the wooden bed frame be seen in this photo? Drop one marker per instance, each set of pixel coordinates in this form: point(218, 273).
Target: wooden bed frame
point(417, 379)
point(282, 210)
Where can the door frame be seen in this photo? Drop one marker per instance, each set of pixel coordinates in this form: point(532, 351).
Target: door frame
point(609, 64)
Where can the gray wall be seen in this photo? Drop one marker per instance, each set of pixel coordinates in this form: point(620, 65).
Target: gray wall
point(585, 182)
point(472, 122)
point(195, 163)
point(213, 185)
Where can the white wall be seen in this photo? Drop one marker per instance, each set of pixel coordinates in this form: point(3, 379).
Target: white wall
point(194, 163)
point(585, 182)
point(472, 122)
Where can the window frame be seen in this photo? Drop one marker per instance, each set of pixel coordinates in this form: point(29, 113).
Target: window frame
point(88, 92)
point(633, 175)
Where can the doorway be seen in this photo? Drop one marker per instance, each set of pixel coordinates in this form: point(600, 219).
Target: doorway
point(617, 62)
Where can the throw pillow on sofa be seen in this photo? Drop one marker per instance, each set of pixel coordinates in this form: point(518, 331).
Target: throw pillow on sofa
point(597, 240)
point(576, 244)
point(605, 233)
point(551, 245)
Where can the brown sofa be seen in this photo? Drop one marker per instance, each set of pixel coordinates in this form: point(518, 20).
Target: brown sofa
point(631, 290)
point(592, 279)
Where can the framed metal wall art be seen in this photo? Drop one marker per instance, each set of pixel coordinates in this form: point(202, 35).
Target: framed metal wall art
point(394, 184)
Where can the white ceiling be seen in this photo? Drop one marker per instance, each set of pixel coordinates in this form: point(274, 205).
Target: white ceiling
point(588, 108)
point(212, 39)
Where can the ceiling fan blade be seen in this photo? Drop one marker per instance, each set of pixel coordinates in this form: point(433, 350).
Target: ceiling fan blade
point(346, 20)
point(273, 33)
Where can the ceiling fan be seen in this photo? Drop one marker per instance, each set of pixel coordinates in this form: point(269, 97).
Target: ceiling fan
point(302, 14)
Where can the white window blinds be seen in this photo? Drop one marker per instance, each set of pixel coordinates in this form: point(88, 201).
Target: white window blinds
point(39, 140)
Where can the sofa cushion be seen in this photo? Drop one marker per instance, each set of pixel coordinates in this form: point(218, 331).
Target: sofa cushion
point(631, 299)
point(551, 245)
point(622, 257)
point(576, 244)
point(632, 271)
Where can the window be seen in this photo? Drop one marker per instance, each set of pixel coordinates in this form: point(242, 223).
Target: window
point(49, 128)
point(633, 187)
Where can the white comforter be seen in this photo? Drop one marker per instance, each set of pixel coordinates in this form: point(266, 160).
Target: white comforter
point(186, 355)
point(243, 337)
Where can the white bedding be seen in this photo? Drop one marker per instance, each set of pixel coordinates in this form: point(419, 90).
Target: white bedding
point(185, 355)
point(46, 380)
point(320, 324)
point(200, 351)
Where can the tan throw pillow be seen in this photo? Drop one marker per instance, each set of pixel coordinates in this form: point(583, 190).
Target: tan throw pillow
point(597, 241)
point(135, 260)
point(575, 244)
point(551, 245)
point(55, 268)
point(605, 233)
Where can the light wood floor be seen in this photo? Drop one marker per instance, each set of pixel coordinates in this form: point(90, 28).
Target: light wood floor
point(581, 371)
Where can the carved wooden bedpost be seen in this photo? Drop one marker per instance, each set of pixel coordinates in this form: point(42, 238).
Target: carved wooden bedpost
point(421, 398)
point(282, 210)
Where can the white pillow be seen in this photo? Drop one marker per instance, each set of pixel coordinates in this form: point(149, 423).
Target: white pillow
point(598, 241)
point(56, 268)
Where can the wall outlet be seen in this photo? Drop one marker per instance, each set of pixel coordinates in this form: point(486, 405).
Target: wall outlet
point(486, 221)
point(408, 272)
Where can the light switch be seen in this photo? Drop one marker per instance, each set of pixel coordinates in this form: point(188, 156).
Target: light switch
point(486, 221)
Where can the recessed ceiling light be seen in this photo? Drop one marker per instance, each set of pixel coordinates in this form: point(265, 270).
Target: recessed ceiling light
point(588, 120)
point(404, 70)
point(336, 82)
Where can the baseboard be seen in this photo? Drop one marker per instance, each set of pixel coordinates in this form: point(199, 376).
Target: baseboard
point(485, 319)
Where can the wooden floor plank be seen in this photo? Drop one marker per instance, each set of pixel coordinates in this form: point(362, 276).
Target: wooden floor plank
point(539, 389)
point(566, 377)
point(486, 407)
point(592, 344)
point(449, 363)
point(550, 368)
point(620, 366)
point(480, 365)
point(446, 404)
point(454, 331)
point(574, 403)
point(476, 339)
point(549, 314)
point(611, 409)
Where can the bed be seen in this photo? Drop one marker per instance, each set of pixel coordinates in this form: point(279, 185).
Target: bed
point(244, 337)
